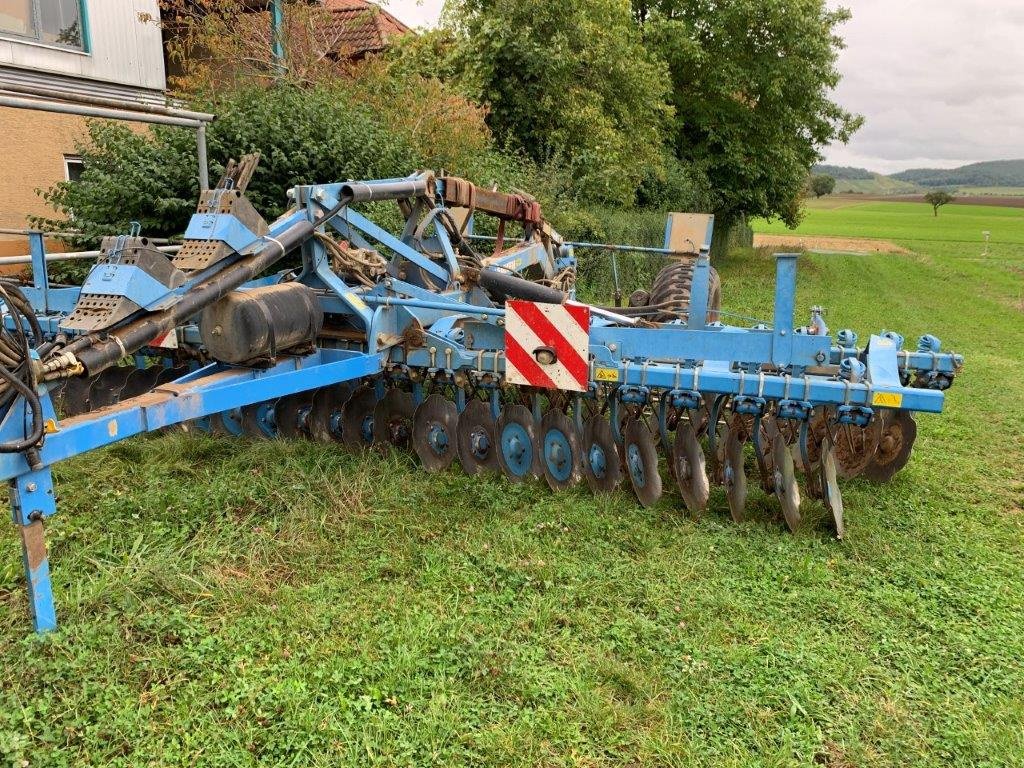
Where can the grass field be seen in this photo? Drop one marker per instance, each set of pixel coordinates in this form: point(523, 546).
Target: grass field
point(959, 224)
point(232, 603)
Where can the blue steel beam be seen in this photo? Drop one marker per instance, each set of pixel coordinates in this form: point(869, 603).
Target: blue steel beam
point(215, 389)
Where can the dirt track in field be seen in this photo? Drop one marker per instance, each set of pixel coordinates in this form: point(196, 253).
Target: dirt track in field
point(825, 243)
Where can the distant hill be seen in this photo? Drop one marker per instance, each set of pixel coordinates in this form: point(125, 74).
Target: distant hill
point(996, 173)
point(860, 181)
point(982, 178)
point(843, 172)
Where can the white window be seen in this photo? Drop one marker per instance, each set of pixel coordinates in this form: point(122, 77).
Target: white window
point(54, 22)
point(73, 167)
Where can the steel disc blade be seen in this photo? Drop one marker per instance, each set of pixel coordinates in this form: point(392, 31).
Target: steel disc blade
point(434, 433)
point(258, 421)
point(290, 415)
point(690, 468)
point(140, 381)
point(855, 447)
point(516, 435)
point(475, 438)
point(357, 418)
point(734, 476)
point(560, 450)
point(227, 424)
point(76, 396)
point(324, 419)
point(392, 418)
point(641, 457)
point(600, 456)
point(787, 491)
point(106, 388)
point(899, 431)
point(829, 479)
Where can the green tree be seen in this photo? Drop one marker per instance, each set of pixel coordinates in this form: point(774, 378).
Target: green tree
point(822, 184)
point(938, 198)
point(305, 135)
point(570, 83)
point(751, 89)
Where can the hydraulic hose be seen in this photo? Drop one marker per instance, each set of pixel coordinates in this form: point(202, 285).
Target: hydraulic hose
point(504, 285)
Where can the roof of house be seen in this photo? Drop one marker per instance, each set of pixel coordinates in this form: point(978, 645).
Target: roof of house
point(361, 26)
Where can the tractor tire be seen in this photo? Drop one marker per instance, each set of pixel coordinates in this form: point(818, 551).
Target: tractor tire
point(670, 292)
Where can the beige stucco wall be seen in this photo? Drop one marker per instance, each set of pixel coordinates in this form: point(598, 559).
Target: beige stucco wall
point(32, 149)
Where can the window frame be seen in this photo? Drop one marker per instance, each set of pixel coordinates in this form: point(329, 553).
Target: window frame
point(36, 39)
point(69, 160)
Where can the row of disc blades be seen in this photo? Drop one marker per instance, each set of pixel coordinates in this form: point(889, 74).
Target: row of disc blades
point(545, 441)
point(525, 443)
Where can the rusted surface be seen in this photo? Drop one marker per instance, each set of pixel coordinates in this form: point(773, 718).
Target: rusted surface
point(34, 542)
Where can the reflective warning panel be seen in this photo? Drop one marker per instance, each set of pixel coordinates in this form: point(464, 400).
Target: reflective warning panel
point(547, 345)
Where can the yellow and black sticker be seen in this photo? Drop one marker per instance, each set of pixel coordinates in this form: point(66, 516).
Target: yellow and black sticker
point(887, 399)
point(606, 374)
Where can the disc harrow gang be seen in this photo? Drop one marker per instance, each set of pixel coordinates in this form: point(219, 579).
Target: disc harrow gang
point(452, 345)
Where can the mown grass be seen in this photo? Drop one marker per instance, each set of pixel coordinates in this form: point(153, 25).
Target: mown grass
point(909, 221)
point(237, 603)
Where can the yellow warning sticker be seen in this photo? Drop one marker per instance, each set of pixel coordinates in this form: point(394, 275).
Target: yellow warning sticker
point(887, 399)
point(606, 374)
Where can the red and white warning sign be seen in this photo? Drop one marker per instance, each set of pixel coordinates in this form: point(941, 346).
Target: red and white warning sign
point(547, 345)
point(167, 340)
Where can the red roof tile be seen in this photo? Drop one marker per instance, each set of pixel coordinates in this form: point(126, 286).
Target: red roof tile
point(361, 27)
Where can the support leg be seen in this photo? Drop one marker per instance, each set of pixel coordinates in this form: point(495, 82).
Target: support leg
point(37, 574)
point(32, 500)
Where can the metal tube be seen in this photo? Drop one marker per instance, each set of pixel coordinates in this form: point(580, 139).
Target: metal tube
point(277, 34)
point(6, 231)
point(444, 306)
point(71, 256)
point(86, 111)
point(361, 191)
point(607, 247)
point(204, 165)
point(98, 101)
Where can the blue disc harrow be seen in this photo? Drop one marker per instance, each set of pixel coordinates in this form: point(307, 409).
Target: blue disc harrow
point(460, 337)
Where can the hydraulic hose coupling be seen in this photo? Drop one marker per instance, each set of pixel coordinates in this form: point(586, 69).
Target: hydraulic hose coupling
point(63, 366)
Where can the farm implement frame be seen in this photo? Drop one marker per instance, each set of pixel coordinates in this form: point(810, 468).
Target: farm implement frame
point(324, 325)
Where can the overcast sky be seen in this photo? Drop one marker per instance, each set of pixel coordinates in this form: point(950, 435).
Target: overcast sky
point(940, 82)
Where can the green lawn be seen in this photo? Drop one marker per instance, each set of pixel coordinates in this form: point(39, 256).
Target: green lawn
point(236, 603)
point(961, 224)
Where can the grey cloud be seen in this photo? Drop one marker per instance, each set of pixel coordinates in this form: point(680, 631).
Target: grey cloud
point(936, 82)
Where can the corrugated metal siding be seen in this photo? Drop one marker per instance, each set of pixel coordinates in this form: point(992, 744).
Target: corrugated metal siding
point(126, 54)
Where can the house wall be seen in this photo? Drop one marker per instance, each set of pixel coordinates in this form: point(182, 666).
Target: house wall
point(124, 61)
point(124, 57)
point(34, 145)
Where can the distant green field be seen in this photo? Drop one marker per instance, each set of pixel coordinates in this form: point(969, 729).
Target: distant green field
point(994, 191)
point(880, 185)
point(908, 221)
